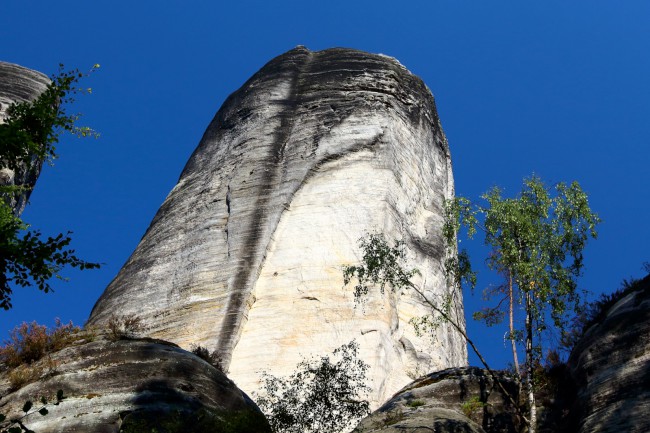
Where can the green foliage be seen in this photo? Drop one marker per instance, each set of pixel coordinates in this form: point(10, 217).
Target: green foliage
point(32, 130)
point(415, 403)
point(28, 137)
point(538, 239)
point(321, 396)
point(472, 405)
point(381, 266)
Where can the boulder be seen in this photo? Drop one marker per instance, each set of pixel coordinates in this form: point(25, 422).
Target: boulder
point(245, 254)
point(450, 401)
point(129, 386)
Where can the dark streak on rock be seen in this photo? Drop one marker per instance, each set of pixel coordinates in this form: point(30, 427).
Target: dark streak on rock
point(255, 243)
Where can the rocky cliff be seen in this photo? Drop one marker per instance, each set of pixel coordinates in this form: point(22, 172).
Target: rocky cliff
point(245, 254)
point(19, 84)
point(610, 367)
point(126, 385)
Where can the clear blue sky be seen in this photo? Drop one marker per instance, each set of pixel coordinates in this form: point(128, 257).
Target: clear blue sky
point(556, 88)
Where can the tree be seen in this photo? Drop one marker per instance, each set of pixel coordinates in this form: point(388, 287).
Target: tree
point(28, 137)
point(536, 241)
point(383, 266)
point(321, 396)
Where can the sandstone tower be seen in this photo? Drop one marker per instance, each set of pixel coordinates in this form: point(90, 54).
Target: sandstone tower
point(245, 254)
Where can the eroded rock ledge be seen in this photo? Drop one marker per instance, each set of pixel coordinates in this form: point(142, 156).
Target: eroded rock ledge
point(449, 401)
point(129, 385)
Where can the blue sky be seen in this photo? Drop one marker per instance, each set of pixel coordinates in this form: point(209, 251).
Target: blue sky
point(560, 89)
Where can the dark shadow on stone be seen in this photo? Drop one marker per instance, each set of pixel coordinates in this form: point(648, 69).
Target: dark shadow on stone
point(169, 407)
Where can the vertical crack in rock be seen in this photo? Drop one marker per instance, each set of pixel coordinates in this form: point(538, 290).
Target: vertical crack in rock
point(228, 219)
point(261, 227)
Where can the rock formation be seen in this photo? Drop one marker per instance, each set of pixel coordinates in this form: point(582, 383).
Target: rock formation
point(245, 254)
point(610, 367)
point(449, 401)
point(19, 84)
point(129, 386)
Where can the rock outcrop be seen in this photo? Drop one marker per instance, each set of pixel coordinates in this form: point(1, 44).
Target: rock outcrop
point(17, 85)
point(610, 367)
point(130, 386)
point(450, 401)
point(245, 254)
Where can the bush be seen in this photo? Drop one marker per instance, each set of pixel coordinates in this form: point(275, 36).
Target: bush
point(125, 327)
point(29, 342)
point(213, 358)
point(321, 396)
point(596, 311)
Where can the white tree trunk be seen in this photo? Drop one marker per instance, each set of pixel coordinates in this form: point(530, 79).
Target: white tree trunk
point(532, 419)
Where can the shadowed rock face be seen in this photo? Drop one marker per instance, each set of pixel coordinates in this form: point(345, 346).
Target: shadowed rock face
point(611, 368)
point(129, 386)
point(19, 84)
point(450, 401)
point(245, 254)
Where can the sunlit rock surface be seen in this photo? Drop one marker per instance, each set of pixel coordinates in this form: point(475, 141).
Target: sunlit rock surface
point(19, 84)
point(611, 368)
point(245, 254)
point(127, 386)
point(454, 400)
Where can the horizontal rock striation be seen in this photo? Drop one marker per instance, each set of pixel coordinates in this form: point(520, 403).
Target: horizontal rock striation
point(610, 366)
point(245, 254)
point(128, 385)
point(17, 85)
point(454, 400)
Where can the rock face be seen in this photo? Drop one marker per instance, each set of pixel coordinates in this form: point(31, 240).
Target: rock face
point(450, 401)
point(245, 254)
point(129, 386)
point(19, 84)
point(611, 368)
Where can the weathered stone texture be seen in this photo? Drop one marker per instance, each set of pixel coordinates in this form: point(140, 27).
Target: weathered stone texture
point(108, 384)
point(245, 254)
point(454, 400)
point(19, 84)
point(611, 368)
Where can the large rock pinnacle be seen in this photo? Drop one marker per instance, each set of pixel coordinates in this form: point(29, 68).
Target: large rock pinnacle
point(245, 254)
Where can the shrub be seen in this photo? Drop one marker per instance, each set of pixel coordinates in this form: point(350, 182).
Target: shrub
point(321, 396)
point(415, 403)
point(213, 358)
point(125, 327)
point(22, 375)
point(470, 406)
point(29, 342)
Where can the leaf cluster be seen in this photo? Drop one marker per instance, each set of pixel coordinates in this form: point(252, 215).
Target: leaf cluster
point(28, 137)
point(31, 130)
point(537, 238)
point(380, 266)
point(323, 395)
